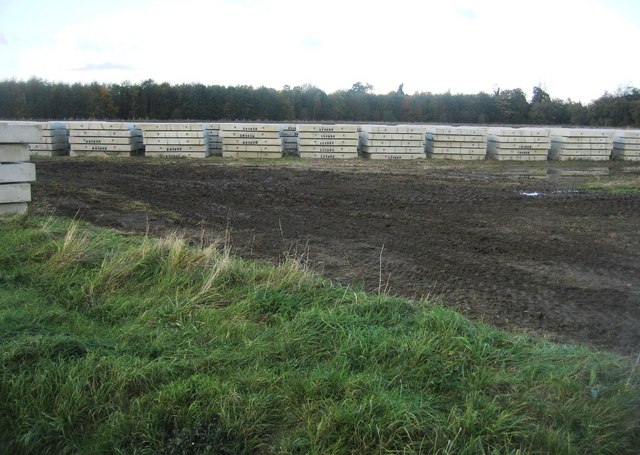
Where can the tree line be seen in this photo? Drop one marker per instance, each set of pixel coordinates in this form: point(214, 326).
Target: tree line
point(37, 99)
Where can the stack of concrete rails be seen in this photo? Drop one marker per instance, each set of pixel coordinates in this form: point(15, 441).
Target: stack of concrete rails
point(392, 142)
point(518, 144)
point(16, 174)
point(54, 140)
point(626, 145)
point(105, 139)
point(581, 144)
point(251, 140)
point(289, 134)
point(188, 140)
point(328, 141)
point(215, 140)
point(456, 142)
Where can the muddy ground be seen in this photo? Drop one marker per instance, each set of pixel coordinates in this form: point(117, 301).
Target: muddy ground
point(518, 246)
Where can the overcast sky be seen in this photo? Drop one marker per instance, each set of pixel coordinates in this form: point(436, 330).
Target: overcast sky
point(575, 49)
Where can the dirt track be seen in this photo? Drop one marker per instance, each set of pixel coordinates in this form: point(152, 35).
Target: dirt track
point(564, 262)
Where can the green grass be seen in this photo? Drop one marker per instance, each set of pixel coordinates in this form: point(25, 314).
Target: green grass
point(619, 184)
point(122, 344)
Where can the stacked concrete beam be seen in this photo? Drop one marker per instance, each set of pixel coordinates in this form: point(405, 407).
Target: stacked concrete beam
point(581, 144)
point(251, 140)
point(519, 144)
point(456, 143)
point(626, 145)
point(112, 139)
point(188, 140)
point(328, 141)
point(289, 134)
point(54, 140)
point(392, 142)
point(16, 174)
point(215, 141)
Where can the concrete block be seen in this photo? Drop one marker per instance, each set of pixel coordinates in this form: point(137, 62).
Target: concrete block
point(625, 141)
point(17, 173)
point(458, 144)
point(396, 137)
point(15, 192)
point(519, 157)
point(455, 138)
point(15, 208)
point(48, 147)
point(456, 131)
point(456, 151)
point(252, 155)
point(316, 128)
point(581, 132)
point(384, 143)
point(211, 126)
point(328, 156)
point(518, 132)
point(14, 152)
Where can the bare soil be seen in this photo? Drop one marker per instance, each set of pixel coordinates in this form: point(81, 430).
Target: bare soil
point(517, 246)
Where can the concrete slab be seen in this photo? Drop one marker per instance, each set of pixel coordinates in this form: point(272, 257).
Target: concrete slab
point(104, 147)
point(626, 140)
point(176, 141)
point(103, 154)
point(318, 128)
point(178, 148)
point(626, 146)
point(17, 173)
point(176, 134)
point(455, 138)
point(250, 134)
point(252, 155)
point(499, 146)
point(582, 132)
point(176, 154)
point(252, 148)
point(519, 157)
point(48, 147)
point(456, 131)
point(456, 151)
point(383, 143)
point(327, 149)
point(10, 153)
point(109, 126)
point(15, 192)
point(327, 156)
point(626, 152)
point(395, 137)
point(16, 133)
point(101, 133)
point(519, 139)
point(172, 127)
point(250, 127)
point(255, 141)
point(392, 150)
point(328, 142)
point(104, 140)
point(393, 156)
point(16, 208)
point(456, 156)
point(329, 135)
point(456, 144)
point(518, 132)
point(211, 126)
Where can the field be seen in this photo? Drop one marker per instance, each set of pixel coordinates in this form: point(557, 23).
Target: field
point(520, 246)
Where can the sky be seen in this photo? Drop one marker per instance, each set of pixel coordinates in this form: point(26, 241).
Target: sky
point(573, 49)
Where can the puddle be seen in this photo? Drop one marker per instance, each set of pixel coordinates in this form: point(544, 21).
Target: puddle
point(531, 193)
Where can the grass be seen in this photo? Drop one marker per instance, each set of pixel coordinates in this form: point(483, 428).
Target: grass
point(133, 345)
